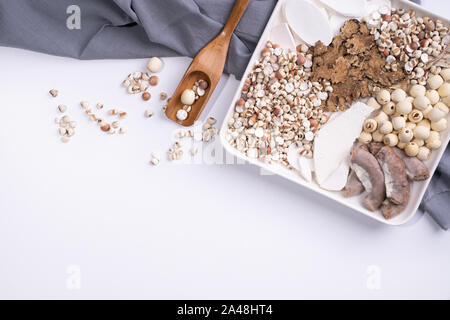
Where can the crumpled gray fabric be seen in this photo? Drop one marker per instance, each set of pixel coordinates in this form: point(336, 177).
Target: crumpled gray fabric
point(120, 29)
point(437, 197)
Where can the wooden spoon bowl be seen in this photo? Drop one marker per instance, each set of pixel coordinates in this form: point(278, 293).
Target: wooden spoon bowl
point(207, 65)
point(175, 101)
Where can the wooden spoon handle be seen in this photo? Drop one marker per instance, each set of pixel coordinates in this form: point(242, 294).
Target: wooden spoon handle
point(235, 16)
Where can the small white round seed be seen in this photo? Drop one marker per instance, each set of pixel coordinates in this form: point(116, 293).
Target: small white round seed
point(434, 82)
point(365, 137)
point(398, 95)
point(154, 64)
point(433, 96)
point(188, 97)
point(444, 90)
point(383, 96)
point(182, 115)
point(423, 154)
point(412, 149)
point(417, 90)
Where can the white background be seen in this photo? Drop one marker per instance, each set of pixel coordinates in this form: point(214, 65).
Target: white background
point(92, 219)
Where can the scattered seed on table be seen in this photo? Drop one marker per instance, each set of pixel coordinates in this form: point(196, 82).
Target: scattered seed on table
point(105, 127)
point(115, 124)
point(62, 131)
point(53, 93)
point(211, 121)
point(112, 111)
point(163, 96)
point(146, 96)
point(99, 106)
point(153, 81)
point(178, 154)
point(62, 108)
point(154, 64)
point(65, 139)
point(154, 161)
point(148, 113)
point(122, 114)
point(70, 132)
point(122, 130)
point(73, 124)
point(84, 104)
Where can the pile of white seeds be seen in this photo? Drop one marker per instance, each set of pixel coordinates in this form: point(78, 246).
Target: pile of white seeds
point(279, 106)
point(408, 41)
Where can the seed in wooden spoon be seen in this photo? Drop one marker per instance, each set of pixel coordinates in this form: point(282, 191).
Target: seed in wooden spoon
point(188, 97)
point(182, 114)
point(203, 84)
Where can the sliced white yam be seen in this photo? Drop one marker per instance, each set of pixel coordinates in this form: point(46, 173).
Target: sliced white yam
point(348, 8)
point(334, 141)
point(308, 21)
point(305, 168)
point(281, 35)
point(338, 179)
point(301, 164)
point(292, 156)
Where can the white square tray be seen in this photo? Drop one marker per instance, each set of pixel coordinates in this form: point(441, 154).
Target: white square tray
point(417, 188)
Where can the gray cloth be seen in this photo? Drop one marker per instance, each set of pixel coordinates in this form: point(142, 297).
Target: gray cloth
point(121, 29)
point(142, 28)
point(437, 198)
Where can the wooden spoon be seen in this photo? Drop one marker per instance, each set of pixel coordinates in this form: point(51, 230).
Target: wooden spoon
point(207, 65)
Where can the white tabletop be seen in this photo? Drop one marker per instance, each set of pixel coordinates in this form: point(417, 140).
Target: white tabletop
point(93, 219)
